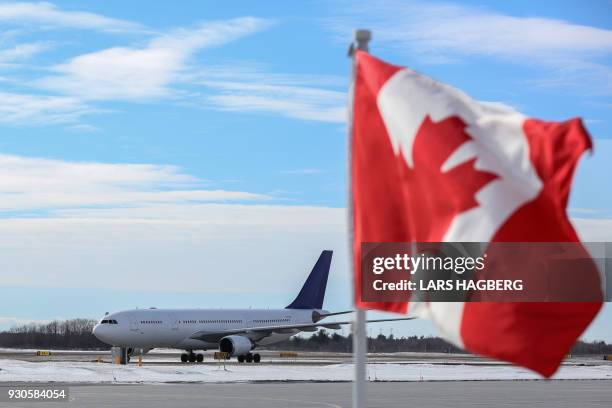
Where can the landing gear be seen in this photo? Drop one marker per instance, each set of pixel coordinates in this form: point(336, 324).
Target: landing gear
point(120, 355)
point(249, 358)
point(192, 357)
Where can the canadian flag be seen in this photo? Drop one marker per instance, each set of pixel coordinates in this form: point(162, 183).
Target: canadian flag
point(430, 164)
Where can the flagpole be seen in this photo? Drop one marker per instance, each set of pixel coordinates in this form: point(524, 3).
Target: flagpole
point(361, 38)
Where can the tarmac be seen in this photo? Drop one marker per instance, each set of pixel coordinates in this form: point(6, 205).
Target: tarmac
point(584, 393)
point(455, 394)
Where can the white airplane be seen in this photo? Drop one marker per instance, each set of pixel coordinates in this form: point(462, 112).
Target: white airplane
point(236, 331)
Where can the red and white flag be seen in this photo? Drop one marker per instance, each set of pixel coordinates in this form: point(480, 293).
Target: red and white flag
point(430, 164)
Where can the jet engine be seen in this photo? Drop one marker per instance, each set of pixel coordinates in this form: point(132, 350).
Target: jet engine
point(235, 345)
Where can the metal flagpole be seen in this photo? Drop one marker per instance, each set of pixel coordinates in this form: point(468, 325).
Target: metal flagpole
point(360, 42)
point(360, 355)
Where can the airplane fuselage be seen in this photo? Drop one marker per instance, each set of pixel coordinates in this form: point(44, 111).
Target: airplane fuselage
point(172, 328)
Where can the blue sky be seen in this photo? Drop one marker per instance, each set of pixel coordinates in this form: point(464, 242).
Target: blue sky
point(196, 155)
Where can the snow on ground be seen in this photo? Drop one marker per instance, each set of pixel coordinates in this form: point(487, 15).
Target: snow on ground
point(15, 370)
point(29, 351)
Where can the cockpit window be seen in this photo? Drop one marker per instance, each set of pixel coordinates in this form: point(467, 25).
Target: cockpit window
point(108, 321)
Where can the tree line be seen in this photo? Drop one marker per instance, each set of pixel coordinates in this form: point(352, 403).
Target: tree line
point(334, 342)
point(323, 341)
point(76, 334)
point(66, 334)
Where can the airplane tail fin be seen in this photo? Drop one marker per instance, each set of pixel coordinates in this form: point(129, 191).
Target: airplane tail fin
point(312, 293)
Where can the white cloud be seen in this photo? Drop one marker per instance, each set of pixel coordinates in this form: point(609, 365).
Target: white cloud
point(116, 73)
point(209, 34)
point(22, 51)
point(119, 73)
point(157, 69)
point(578, 74)
point(47, 15)
point(148, 227)
point(220, 248)
point(163, 68)
point(203, 247)
point(294, 102)
point(431, 28)
point(78, 224)
point(36, 109)
point(257, 73)
point(83, 128)
point(30, 184)
point(147, 72)
point(440, 33)
point(250, 89)
point(593, 229)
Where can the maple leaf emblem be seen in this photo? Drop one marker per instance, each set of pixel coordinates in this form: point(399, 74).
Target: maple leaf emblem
point(435, 197)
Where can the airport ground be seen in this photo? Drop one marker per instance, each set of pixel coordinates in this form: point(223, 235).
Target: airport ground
point(273, 383)
point(169, 357)
point(172, 357)
point(455, 394)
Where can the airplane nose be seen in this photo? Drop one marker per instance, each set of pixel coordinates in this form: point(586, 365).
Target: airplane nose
point(99, 332)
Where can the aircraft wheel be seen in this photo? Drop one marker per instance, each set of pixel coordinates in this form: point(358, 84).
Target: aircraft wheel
point(200, 358)
point(192, 358)
point(184, 358)
point(256, 358)
point(241, 359)
point(249, 358)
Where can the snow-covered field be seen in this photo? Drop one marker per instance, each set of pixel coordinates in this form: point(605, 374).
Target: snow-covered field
point(15, 370)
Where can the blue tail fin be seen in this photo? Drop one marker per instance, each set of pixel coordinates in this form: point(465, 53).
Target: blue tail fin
point(312, 293)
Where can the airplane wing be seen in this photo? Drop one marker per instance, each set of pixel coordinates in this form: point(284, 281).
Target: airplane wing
point(260, 332)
